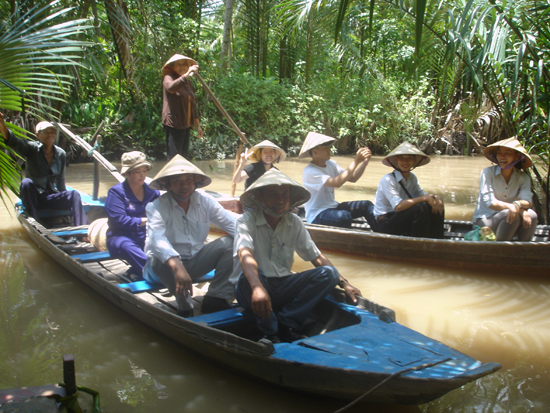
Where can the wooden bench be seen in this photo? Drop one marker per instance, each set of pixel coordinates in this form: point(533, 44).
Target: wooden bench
point(225, 318)
point(146, 286)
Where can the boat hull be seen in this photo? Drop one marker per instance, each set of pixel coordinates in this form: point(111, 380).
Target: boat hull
point(307, 367)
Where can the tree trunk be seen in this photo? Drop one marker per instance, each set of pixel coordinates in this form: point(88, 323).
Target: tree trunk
point(226, 40)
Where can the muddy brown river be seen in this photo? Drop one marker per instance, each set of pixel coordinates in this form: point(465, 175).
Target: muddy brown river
point(45, 313)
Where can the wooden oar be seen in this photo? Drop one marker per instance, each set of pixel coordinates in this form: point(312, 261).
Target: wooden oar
point(222, 110)
point(237, 163)
point(85, 145)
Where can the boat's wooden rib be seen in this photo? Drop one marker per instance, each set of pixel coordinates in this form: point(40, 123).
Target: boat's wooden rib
point(349, 350)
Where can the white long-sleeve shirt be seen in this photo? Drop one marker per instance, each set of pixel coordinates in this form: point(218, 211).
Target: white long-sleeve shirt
point(173, 233)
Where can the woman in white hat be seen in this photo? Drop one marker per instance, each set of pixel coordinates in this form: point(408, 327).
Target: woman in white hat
point(125, 207)
point(504, 202)
point(401, 206)
point(265, 154)
point(44, 187)
point(179, 107)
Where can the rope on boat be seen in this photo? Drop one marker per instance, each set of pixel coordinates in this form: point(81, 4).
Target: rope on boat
point(421, 367)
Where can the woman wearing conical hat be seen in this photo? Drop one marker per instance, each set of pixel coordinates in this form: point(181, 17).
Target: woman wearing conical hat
point(265, 154)
point(266, 238)
point(401, 206)
point(504, 202)
point(179, 107)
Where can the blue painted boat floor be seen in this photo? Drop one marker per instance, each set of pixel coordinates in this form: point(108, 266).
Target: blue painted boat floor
point(377, 347)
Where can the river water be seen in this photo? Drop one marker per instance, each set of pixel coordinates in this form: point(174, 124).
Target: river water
point(44, 313)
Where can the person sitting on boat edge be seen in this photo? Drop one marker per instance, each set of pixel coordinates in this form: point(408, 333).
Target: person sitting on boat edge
point(266, 238)
point(265, 154)
point(44, 187)
point(401, 206)
point(322, 175)
point(504, 201)
point(177, 226)
point(125, 207)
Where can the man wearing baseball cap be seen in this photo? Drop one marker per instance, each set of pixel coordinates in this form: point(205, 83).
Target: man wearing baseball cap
point(44, 187)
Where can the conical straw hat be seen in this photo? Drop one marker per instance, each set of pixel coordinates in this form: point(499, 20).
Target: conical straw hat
point(97, 233)
point(298, 194)
point(175, 58)
point(406, 148)
point(178, 165)
point(313, 139)
point(254, 152)
point(490, 151)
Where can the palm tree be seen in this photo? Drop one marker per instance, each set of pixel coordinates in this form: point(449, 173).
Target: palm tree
point(35, 46)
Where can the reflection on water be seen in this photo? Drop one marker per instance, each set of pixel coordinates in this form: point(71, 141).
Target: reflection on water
point(505, 319)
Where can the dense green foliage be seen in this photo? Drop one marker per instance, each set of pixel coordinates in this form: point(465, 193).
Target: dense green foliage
point(451, 77)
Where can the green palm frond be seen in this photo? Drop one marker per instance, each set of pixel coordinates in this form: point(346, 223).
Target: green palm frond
point(35, 47)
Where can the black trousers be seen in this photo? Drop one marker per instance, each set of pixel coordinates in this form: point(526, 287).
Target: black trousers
point(417, 221)
point(177, 142)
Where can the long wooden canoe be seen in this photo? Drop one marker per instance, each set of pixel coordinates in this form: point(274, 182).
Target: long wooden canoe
point(453, 251)
point(349, 351)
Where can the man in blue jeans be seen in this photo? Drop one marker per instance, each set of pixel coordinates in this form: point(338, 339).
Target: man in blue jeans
point(322, 175)
point(266, 238)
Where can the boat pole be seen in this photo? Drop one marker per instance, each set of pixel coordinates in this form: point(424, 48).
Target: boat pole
point(91, 152)
point(233, 125)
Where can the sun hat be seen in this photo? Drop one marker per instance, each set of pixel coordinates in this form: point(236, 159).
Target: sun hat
point(254, 153)
point(43, 126)
point(175, 58)
point(178, 165)
point(406, 148)
point(490, 151)
point(314, 139)
point(133, 160)
point(298, 194)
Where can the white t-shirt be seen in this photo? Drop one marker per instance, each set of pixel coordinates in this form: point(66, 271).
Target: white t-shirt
point(322, 197)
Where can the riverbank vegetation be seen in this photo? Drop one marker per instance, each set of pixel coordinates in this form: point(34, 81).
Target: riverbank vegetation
point(451, 76)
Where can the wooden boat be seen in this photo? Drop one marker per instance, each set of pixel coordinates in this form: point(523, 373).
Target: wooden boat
point(351, 352)
point(453, 251)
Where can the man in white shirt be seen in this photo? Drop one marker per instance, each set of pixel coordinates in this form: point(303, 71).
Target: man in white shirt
point(177, 226)
point(266, 238)
point(322, 175)
point(401, 206)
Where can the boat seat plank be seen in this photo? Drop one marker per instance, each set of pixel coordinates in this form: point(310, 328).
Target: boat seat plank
point(145, 286)
point(225, 318)
point(71, 232)
point(92, 256)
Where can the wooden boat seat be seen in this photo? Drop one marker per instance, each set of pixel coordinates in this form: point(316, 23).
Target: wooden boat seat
point(226, 318)
point(71, 233)
point(144, 286)
point(92, 256)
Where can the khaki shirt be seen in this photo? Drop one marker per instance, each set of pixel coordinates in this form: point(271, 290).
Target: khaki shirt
point(273, 250)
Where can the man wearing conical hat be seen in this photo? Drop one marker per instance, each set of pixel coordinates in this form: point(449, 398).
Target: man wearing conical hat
point(179, 106)
point(401, 206)
point(177, 226)
point(322, 175)
point(266, 238)
point(505, 196)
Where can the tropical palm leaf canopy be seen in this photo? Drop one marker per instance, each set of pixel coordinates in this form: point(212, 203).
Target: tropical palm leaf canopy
point(36, 46)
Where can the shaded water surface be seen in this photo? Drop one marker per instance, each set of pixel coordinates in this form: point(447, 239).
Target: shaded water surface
point(44, 313)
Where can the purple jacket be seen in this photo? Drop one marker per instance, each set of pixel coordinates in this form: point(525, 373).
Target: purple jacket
point(125, 211)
